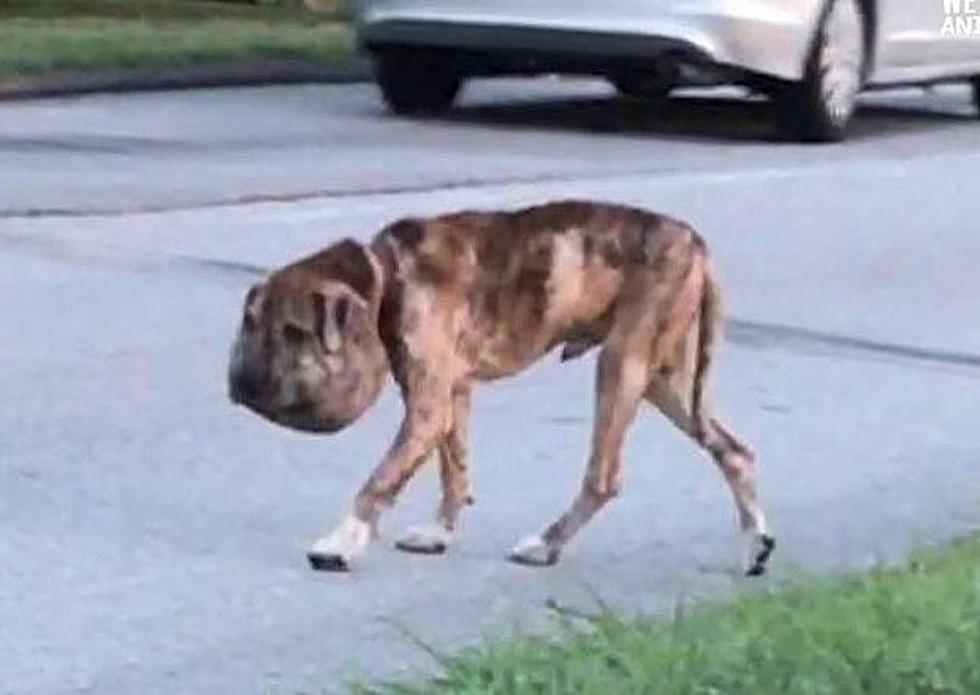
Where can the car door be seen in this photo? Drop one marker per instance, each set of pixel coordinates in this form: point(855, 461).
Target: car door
point(624, 16)
point(911, 41)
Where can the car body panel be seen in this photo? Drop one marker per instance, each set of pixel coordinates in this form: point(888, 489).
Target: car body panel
point(912, 47)
point(767, 37)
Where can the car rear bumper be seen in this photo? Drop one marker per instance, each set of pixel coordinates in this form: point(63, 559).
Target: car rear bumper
point(769, 37)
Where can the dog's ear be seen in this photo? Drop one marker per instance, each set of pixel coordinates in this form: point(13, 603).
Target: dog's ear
point(331, 316)
point(249, 309)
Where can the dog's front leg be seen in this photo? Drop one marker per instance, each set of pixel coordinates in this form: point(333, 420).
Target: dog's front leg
point(454, 475)
point(425, 424)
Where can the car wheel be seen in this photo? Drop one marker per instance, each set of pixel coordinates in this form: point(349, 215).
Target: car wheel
point(640, 85)
point(821, 106)
point(417, 82)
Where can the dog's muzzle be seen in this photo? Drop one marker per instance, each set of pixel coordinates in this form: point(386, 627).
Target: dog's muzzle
point(243, 389)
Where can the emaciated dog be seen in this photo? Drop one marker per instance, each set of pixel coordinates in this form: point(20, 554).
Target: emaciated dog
point(449, 301)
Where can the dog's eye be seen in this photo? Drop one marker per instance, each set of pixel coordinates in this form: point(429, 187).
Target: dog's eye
point(293, 334)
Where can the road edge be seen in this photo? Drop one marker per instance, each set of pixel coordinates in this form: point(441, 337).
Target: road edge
point(206, 75)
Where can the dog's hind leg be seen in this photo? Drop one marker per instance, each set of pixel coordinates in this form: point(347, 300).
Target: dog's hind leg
point(734, 459)
point(678, 388)
point(455, 479)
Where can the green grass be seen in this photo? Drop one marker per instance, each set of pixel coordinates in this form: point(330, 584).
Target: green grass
point(890, 632)
point(41, 36)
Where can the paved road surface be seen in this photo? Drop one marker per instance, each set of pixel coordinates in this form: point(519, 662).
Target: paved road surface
point(152, 536)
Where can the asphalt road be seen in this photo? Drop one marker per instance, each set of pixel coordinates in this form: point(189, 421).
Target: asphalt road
point(152, 536)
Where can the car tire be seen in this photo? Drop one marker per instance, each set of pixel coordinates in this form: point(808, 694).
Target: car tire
point(976, 93)
point(641, 86)
point(821, 106)
point(416, 82)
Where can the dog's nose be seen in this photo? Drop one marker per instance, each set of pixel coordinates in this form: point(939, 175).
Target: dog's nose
point(243, 388)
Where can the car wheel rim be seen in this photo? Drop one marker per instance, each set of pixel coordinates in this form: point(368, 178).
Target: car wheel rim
point(841, 60)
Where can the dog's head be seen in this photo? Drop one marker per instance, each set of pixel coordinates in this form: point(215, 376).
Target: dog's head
point(308, 355)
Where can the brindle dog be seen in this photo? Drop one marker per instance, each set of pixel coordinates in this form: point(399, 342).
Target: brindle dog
point(449, 301)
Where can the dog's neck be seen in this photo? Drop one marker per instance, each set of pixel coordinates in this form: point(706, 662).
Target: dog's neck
point(385, 304)
point(385, 264)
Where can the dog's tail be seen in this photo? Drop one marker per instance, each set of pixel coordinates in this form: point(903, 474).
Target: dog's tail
point(709, 334)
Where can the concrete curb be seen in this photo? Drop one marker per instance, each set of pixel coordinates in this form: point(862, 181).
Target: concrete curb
point(191, 77)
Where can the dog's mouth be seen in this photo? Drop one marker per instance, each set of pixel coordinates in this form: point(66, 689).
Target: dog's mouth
point(300, 416)
point(296, 411)
point(305, 420)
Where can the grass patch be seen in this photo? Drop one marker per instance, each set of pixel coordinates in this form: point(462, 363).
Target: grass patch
point(910, 630)
point(39, 36)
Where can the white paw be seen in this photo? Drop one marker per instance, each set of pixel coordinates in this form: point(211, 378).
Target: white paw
point(533, 550)
point(336, 551)
point(428, 540)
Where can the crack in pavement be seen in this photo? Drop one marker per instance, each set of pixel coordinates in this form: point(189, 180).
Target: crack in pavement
point(885, 166)
point(756, 335)
point(91, 144)
point(219, 265)
point(889, 165)
point(760, 335)
point(103, 255)
point(318, 194)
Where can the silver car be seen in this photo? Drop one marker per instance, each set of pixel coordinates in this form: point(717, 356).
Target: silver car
point(812, 57)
